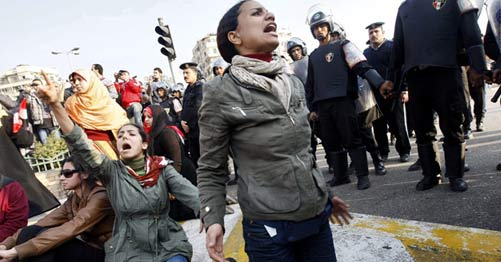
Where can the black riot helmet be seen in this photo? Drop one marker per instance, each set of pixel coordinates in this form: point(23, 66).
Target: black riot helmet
point(296, 41)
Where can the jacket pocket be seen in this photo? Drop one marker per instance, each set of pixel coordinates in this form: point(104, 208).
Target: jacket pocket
point(319, 180)
point(273, 189)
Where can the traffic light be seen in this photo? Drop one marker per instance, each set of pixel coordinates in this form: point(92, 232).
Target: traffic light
point(165, 39)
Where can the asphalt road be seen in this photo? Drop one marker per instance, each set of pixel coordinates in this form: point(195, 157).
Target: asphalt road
point(394, 194)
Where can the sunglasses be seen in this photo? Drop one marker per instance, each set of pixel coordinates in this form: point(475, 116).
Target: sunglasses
point(68, 173)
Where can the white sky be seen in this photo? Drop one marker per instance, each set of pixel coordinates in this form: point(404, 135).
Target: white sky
point(120, 34)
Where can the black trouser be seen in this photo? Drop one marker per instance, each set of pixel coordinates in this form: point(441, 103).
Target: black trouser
point(339, 124)
point(72, 250)
point(478, 96)
point(368, 140)
point(393, 116)
point(193, 144)
point(440, 90)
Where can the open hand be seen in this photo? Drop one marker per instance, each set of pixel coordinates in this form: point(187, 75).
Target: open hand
point(340, 214)
point(8, 255)
point(214, 242)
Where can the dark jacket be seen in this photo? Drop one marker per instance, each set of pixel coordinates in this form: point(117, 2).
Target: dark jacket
point(90, 218)
point(191, 103)
point(271, 147)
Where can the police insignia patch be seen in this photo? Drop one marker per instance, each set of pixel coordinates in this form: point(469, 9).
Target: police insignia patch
point(438, 4)
point(329, 57)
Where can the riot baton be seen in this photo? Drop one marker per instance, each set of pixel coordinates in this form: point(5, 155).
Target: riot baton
point(495, 98)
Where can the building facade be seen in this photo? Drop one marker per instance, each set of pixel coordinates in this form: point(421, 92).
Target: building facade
point(20, 76)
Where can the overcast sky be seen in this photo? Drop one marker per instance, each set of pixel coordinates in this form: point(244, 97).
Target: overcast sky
point(120, 34)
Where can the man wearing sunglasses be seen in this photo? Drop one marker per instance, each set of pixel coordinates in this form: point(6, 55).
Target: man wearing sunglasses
point(76, 231)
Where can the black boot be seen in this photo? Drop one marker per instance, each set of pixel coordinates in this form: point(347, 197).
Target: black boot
point(378, 163)
point(339, 163)
point(428, 154)
point(416, 166)
point(480, 123)
point(359, 158)
point(454, 166)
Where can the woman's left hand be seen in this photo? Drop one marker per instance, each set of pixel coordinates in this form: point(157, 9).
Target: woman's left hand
point(340, 214)
point(8, 255)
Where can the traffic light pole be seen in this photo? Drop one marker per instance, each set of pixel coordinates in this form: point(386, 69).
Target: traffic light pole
point(171, 71)
point(161, 23)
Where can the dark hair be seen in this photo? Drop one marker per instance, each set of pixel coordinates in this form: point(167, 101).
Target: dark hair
point(122, 71)
point(228, 23)
point(37, 79)
point(78, 164)
point(158, 69)
point(143, 135)
point(99, 68)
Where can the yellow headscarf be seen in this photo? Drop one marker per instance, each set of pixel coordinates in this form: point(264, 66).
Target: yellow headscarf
point(93, 108)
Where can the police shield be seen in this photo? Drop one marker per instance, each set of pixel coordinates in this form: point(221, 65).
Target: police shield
point(493, 8)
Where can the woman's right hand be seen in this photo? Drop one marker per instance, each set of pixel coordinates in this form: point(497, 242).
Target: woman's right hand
point(214, 242)
point(48, 93)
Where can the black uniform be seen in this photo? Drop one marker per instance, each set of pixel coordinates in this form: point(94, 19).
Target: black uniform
point(331, 89)
point(428, 35)
point(392, 109)
point(191, 103)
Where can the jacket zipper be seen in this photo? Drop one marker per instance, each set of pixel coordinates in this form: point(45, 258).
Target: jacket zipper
point(239, 109)
point(301, 161)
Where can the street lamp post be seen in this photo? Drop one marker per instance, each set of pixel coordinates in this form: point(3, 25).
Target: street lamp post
point(74, 51)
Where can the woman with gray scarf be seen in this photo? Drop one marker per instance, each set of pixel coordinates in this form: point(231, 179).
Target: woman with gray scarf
point(258, 110)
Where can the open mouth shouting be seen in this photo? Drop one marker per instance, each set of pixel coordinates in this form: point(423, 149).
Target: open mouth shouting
point(271, 28)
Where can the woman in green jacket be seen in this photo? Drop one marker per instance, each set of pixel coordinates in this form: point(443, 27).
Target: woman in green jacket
point(138, 186)
point(258, 110)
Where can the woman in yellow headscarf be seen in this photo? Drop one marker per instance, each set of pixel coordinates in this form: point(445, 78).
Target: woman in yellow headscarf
point(92, 108)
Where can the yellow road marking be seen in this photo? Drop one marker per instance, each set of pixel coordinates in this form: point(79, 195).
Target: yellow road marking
point(234, 246)
point(435, 242)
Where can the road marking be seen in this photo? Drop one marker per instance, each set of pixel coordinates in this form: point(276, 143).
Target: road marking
point(374, 238)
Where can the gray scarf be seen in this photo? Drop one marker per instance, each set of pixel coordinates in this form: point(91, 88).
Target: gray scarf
point(270, 76)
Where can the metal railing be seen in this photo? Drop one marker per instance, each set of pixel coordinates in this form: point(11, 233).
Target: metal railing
point(45, 164)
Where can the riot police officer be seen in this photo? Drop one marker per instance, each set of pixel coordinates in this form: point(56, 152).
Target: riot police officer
point(427, 36)
point(378, 55)
point(296, 48)
point(331, 89)
point(491, 42)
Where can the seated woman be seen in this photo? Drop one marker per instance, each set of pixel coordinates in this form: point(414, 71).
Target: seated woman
point(138, 186)
point(75, 231)
point(92, 108)
point(163, 140)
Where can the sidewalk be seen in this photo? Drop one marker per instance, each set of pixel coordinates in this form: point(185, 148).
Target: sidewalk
point(372, 238)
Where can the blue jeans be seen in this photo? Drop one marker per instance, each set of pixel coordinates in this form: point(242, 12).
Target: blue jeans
point(308, 240)
point(177, 258)
point(43, 133)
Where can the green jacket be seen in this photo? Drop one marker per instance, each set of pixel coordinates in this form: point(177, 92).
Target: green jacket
point(270, 146)
point(143, 230)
